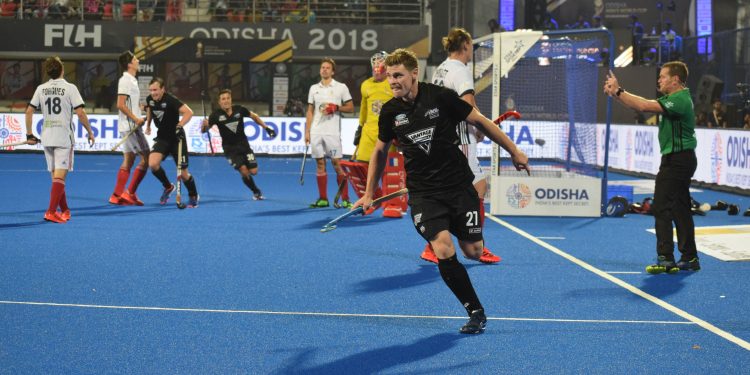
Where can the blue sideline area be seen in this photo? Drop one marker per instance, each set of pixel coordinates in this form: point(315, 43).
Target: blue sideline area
point(243, 286)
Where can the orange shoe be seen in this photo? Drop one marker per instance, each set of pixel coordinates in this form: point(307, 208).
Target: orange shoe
point(488, 257)
point(119, 200)
point(65, 215)
point(392, 211)
point(131, 198)
point(53, 217)
point(429, 255)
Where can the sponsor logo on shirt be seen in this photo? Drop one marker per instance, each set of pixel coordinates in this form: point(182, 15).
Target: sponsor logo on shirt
point(401, 119)
point(431, 114)
point(422, 138)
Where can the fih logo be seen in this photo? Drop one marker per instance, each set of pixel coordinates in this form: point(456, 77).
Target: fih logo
point(519, 195)
point(717, 149)
point(10, 130)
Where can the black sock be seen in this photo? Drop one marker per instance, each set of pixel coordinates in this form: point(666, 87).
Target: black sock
point(248, 180)
point(455, 276)
point(190, 184)
point(162, 177)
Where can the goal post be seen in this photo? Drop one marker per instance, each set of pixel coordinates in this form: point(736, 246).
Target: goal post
point(552, 79)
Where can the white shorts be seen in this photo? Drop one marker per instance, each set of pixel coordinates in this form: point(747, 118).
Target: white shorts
point(325, 145)
point(59, 158)
point(470, 151)
point(136, 143)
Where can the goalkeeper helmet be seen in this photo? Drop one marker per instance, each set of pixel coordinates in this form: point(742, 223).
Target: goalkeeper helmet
point(377, 61)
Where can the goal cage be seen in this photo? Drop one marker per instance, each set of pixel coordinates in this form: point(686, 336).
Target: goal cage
point(551, 79)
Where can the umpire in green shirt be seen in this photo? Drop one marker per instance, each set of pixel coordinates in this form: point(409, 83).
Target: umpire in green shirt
point(677, 141)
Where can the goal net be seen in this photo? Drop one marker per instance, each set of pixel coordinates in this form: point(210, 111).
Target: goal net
point(552, 80)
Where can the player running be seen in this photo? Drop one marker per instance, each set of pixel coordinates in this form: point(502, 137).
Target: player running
point(130, 122)
point(325, 101)
point(57, 99)
point(165, 109)
point(230, 119)
point(423, 118)
point(454, 73)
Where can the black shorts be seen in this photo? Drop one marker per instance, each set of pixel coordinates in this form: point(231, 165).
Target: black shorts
point(239, 158)
point(456, 211)
point(169, 147)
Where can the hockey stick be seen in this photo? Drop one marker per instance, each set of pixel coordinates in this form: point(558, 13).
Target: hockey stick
point(302, 169)
point(125, 138)
point(15, 144)
point(178, 185)
point(343, 184)
point(208, 131)
point(332, 224)
point(506, 115)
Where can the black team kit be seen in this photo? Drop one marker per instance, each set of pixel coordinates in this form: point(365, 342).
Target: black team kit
point(234, 141)
point(166, 114)
point(439, 179)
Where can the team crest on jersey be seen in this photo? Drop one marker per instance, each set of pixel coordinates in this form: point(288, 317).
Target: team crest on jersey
point(401, 119)
point(164, 105)
point(422, 138)
point(151, 103)
point(431, 114)
point(222, 118)
point(232, 126)
point(376, 106)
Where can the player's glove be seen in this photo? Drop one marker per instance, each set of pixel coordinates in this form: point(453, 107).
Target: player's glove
point(271, 133)
point(180, 132)
point(357, 135)
point(32, 138)
point(330, 109)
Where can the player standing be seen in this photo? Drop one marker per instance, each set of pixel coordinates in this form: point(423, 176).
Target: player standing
point(325, 101)
point(423, 118)
point(165, 109)
point(130, 120)
point(677, 142)
point(454, 73)
point(230, 119)
point(57, 99)
point(376, 92)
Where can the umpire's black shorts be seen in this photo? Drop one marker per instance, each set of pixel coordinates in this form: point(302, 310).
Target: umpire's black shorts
point(238, 158)
point(456, 211)
point(169, 147)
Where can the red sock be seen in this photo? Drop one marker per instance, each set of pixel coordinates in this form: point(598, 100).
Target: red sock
point(481, 212)
point(122, 179)
point(345, 191)
point(137, 178)
point(58, 189)
point(63, 202)
point(323, 186)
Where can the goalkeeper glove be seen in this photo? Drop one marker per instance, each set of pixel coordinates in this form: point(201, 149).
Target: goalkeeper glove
point(271, 133)
point(357, 135)
point(330, 109)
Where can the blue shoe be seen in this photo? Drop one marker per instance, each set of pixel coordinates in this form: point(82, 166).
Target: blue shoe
point(193, 202)
point(165, 194)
